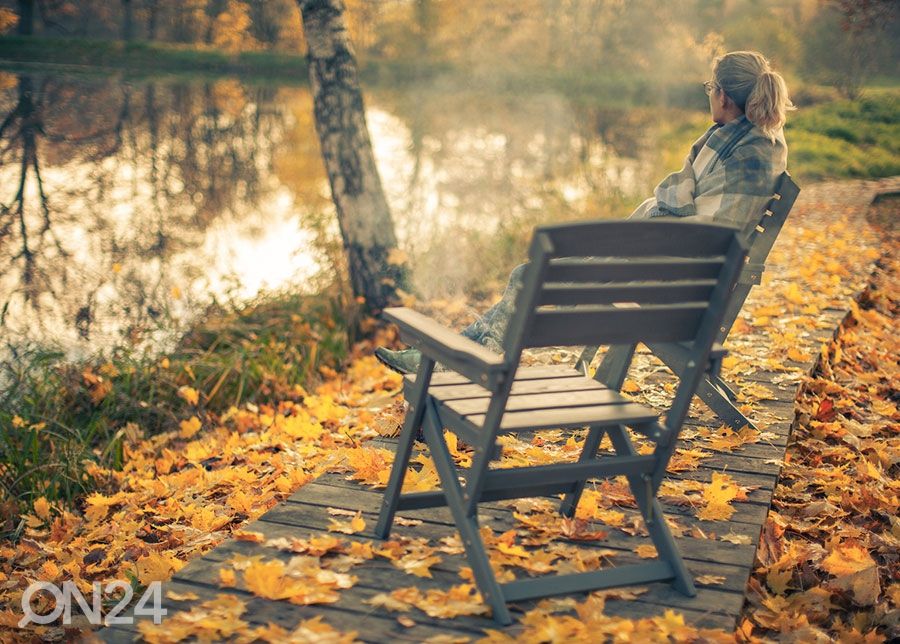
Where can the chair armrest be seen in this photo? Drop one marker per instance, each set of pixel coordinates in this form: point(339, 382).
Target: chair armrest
point(717, 352)
point(452, 350)
point(751, 273)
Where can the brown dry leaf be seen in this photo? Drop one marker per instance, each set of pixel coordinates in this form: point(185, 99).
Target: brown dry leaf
point(710, 580)
point(847, 558)
point(646, 551)
point(227, 577)
point(737, 539)
point(355, 525)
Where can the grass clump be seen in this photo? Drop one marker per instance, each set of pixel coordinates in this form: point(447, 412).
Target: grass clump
point(847, 138)
point(59, 419)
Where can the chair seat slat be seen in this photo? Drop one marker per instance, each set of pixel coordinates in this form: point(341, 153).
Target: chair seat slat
point(625, 414)
point(532, 401)
point(553, 379)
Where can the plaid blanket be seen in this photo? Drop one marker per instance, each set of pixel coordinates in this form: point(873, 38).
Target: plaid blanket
point(728, 176)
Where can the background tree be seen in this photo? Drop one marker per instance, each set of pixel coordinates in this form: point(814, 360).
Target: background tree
point(850, 39)
point(362, 210)
point(26, 17)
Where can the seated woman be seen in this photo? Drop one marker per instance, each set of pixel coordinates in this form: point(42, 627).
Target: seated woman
point(728, 176)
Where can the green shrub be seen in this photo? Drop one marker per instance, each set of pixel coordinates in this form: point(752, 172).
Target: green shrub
point(58, 417)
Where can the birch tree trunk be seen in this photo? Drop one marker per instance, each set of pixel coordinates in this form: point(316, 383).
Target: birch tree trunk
point(26, 17)
point(363, 214)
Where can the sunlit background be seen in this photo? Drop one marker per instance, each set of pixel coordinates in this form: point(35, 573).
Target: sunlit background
point(130, 203)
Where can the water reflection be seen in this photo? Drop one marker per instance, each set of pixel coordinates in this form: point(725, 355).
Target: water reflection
point(125, 207)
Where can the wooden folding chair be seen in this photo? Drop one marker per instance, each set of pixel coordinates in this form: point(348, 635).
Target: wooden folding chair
point(713, 390)
point(586, 283)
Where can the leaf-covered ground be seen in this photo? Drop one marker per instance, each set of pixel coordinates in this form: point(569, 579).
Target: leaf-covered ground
point(828, 561)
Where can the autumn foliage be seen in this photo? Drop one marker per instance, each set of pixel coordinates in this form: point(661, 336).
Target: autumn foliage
point(827, 560)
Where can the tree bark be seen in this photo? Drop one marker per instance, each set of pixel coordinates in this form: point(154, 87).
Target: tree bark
point(127, 20)
point(363, 213)
point(26, 17)
point(152, 19)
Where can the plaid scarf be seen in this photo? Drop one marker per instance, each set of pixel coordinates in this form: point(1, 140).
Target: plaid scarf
point(728, 176)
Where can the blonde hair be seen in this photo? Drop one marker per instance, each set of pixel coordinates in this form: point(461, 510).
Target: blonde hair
point(760, 91)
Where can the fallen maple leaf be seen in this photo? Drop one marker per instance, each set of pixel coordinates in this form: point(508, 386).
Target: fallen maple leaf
point(356, 524)
point(717, 497)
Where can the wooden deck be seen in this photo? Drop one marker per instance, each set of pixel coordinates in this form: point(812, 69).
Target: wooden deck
point(716, 605)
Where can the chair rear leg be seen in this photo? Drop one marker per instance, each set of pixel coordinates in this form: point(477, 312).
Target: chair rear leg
point(654, 520)
point(588, 452)
point(584, 360)
point(467, 524)
point(724, 387)
point(614, 366)
point(668, 551)
point(411, 425)
point(719, 403)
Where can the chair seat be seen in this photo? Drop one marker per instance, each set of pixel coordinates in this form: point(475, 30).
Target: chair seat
point(541, 398)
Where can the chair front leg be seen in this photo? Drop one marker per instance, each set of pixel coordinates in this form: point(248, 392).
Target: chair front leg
point(414, 417)
point(466, 522)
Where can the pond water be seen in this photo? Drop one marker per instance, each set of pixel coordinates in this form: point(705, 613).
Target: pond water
point(127, 207)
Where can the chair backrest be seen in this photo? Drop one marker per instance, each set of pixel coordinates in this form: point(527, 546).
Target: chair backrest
point(621, 282)
point(760, 239)
point(624, 282)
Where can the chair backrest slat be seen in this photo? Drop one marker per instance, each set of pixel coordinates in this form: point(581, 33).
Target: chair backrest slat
point(676, 268)
point(562, 294)
point(596, 239)
point(585, 324)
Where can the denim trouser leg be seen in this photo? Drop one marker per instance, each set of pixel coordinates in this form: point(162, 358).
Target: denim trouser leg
point(488, 330)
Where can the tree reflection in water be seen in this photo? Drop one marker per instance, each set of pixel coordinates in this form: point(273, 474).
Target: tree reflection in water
point(124, 198)
point(127, 206)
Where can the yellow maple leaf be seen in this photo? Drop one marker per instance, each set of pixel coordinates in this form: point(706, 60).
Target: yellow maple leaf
point(847, 559)
point(646, 551)
point(268, 579)
point(42, 508)
point(356, 524)
point(189, 394)
point(189, 427)
point(157, 566)
point(241, 502)
point(418, 565)
point(717, 497)
point(227, 577)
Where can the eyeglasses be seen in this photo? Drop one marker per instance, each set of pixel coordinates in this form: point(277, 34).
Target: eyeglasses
point(709, 87)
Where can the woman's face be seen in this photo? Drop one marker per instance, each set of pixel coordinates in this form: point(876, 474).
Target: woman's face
point(716, 102)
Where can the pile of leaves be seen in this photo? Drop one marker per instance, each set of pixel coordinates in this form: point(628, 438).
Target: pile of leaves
point(182, 492)
point(829, 558)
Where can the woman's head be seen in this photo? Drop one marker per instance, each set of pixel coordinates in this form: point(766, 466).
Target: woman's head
point(753, 87)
